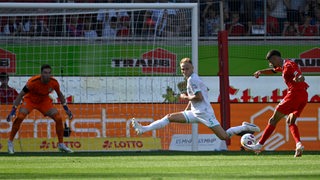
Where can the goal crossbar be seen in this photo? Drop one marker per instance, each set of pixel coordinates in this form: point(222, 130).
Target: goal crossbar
point(99, 5)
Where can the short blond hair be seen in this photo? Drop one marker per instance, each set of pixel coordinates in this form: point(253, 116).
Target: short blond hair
point(186, 60)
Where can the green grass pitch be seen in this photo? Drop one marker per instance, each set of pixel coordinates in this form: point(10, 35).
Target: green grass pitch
point(160, 165)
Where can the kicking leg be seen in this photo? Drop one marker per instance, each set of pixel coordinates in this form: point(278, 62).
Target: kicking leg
point(220, 132)
point(243, 129)
point(158, 124)
point(267, 131)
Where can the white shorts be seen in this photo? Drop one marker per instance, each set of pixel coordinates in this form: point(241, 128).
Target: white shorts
point(209, 120)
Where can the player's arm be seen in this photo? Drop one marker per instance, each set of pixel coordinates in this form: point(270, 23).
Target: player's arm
point(196, 97)
point(299, 78)
point(264, 71)
point(18, 99)
point(64, 104)
point(16, 103)
point(188, 106)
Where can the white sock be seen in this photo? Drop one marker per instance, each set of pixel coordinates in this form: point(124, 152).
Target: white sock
point(235, 130)
point(157, 124)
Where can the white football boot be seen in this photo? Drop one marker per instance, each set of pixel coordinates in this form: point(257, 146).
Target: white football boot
point(254, 147)
point(137, 127)
point(299, 149)
point(10, 147)
point(251, 127)
point(63, 148)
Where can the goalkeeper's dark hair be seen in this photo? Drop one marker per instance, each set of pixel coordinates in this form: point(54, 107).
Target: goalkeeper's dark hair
point(45, 66)
point(4, 75)
point(273, 53)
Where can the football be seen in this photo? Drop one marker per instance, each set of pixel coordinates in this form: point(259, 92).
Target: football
point(248, 139)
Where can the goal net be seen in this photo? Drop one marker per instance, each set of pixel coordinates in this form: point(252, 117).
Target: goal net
point(113, 62)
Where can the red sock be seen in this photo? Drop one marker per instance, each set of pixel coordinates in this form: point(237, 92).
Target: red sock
point(295, 132)
point(266, 134)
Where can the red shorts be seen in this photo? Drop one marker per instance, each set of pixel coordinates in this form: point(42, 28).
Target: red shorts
point(293, 102)
point(43, 106)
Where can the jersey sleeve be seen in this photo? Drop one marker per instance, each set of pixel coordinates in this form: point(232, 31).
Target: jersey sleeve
point(277, 69)
point(56, 86)
point(195, 86)
point(295, 70)
point(292, 69)
point(31, 83)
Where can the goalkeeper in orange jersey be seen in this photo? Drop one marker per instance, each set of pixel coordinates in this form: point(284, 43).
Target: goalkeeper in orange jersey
point(35, 95)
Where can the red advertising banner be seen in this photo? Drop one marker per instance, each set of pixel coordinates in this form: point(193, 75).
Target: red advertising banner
point(112, 121)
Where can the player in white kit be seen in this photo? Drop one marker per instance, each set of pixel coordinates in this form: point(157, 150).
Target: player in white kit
point(198, 109)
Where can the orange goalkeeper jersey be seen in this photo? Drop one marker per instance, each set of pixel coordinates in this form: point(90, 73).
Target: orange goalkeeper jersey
point(38, 91)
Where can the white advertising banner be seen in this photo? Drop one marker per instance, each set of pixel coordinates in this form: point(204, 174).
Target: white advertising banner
point(156, 89)
point(206, 142)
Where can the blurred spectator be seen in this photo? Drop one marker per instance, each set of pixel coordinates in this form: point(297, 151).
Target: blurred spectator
point(26, 26)
point(174, 23)
point(235, 28)
point(41, 26)
point(258, 10)
point(148, 24)
point(316, 18)
point(310, 7)
point(155, 20)
point(110, 28)
point(74, 26)
point(101, 17)
point(161, 18)
point(290, 29)
point(12, 27)
point(7, 93)
point(247, 13)
point(295, 10)
point(123, 19)
point(211, 19)
point(33, 26)
point(278, 9)
point(184, 22)
point(272, 25)
point(306, 29)
point(89, 28)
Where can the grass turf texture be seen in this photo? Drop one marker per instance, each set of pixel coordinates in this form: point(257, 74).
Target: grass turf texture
point(160, 165)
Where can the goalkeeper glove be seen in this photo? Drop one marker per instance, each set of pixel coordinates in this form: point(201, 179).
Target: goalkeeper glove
point(68, 112)
point(12, 113)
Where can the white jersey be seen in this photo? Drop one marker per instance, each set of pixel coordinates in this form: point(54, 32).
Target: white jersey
point(194, 85)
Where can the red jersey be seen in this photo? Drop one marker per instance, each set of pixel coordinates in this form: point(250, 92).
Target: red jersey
point(290, 70)
point(38, 91)
point(7, 95)
point(272, 24)
point(311, 30)
point(237, 30)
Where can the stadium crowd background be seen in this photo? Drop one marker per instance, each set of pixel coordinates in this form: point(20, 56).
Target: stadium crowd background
point(241, 18)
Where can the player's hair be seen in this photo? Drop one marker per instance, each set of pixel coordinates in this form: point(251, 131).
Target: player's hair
point(184, 60)
point(4, 75)
point(45, 66)
point(273, 53)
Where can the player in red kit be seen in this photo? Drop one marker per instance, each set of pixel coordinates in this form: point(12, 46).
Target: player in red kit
point(292, 104)
point(7, 93)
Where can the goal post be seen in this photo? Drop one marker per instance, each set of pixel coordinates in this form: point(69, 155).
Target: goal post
point(110, 70)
